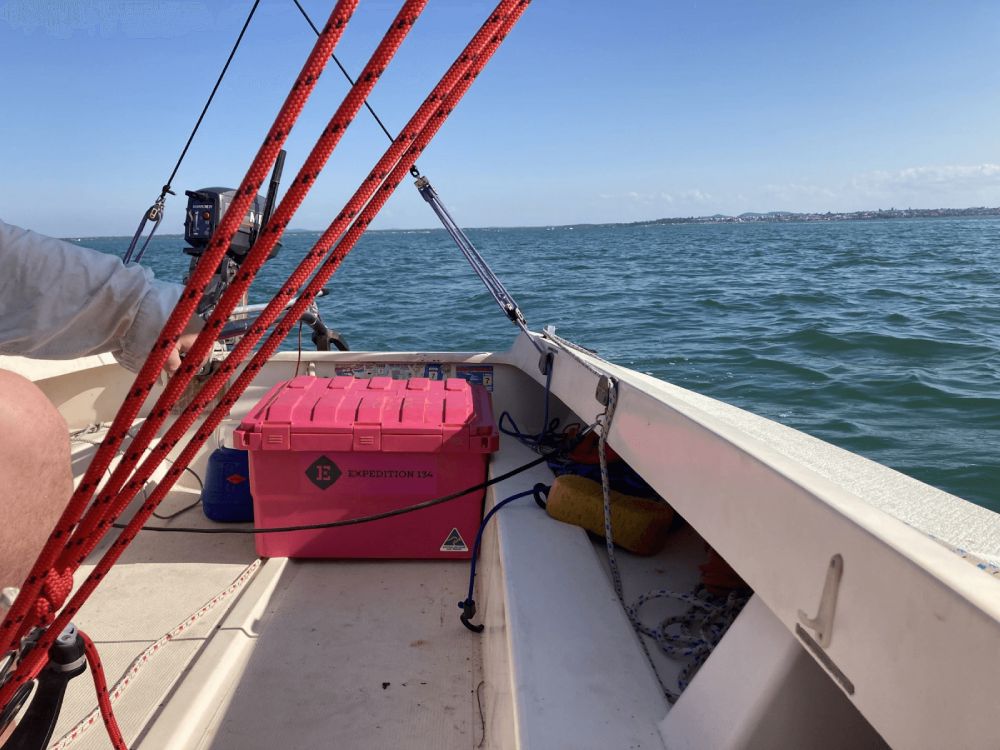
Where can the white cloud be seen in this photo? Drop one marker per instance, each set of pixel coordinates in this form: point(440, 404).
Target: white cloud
point(956, 177)
point(695, 196)
point(663, 198)
point(948, 186)
point(794, 191)
point(943, 186)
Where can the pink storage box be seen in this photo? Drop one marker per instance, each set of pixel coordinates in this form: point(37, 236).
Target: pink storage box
point(326, 449)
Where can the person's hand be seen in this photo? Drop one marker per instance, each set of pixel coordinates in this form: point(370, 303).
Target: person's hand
point(183, 345)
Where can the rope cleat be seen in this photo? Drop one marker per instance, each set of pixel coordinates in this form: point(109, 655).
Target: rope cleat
point(67, 659)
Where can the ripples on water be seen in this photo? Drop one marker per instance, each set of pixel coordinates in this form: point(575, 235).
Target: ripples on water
point(880, 337)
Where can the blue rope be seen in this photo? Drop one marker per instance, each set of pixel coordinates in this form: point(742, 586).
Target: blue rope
point(547, 438)
point(554, 443)
point(479, 536)
point(468, 606)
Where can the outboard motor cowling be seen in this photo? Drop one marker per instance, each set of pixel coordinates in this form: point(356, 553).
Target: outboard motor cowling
point(205, 210)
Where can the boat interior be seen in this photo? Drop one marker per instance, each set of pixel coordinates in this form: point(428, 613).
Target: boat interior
point(206, 645)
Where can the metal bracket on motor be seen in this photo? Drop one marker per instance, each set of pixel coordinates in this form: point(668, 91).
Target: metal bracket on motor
point(822, 623)
point(322, 336)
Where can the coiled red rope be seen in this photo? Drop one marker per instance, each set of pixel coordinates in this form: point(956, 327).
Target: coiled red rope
point(355, 218)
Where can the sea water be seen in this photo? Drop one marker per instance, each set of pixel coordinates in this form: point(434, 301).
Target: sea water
point(881, 337)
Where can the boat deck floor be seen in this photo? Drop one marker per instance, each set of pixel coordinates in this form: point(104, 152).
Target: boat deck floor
point(212, 648)
point(206, 646)
point(373, 656)
point(391, 669)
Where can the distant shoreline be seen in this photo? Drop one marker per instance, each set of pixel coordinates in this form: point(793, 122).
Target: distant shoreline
point(772, 217)
point(789, 216)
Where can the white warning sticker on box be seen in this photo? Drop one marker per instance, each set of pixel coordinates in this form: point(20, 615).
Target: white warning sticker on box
point(454, 543)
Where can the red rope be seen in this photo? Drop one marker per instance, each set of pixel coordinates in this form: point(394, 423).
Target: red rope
point(374, 192)
point(110, 504)
point(55, 588)
point(18, 621)
point(101, 686)
point(219, 379)
point(419, 135)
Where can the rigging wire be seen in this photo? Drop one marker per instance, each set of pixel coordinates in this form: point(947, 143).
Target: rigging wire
point(47, 588)
point(491, 281)
point(493, 284)
point(343, 70)
point(39, 598)
point(155, 212)
point(423, 126)
point(208, 103)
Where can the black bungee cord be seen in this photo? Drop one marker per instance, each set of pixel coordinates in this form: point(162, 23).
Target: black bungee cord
point(350, 521)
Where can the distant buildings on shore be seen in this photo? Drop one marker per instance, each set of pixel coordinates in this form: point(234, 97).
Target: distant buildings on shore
point(787, 216)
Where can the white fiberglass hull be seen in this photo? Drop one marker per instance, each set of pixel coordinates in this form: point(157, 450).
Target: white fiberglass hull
point(371, 654)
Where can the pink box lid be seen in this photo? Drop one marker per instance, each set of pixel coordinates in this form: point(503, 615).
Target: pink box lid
point(459, 414)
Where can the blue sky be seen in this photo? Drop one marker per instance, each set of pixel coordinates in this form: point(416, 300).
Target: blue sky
point(591, 112)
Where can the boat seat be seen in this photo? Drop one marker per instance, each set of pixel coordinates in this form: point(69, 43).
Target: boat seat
point(574, 660)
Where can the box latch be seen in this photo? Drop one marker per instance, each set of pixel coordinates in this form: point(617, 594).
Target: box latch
point(367, 438)
point(275, 437)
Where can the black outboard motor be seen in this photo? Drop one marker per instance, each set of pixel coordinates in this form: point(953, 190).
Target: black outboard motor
point(205, 210)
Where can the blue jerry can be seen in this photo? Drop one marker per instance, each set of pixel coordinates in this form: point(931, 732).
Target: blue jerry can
point(226, 496)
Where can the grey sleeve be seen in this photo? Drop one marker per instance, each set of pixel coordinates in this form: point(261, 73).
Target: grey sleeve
point(60, 301)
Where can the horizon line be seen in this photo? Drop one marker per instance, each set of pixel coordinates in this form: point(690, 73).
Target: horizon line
point(712, 218)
